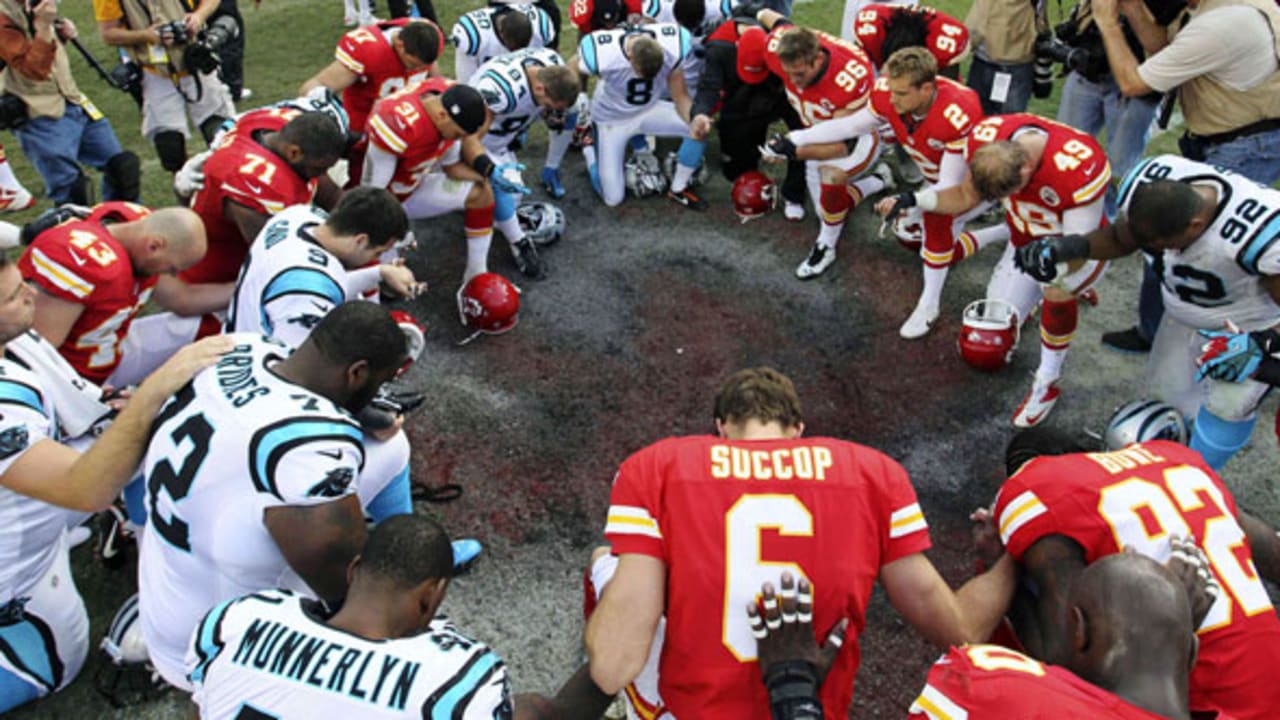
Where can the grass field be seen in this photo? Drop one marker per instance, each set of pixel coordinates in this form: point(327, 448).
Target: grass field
point(288, 40)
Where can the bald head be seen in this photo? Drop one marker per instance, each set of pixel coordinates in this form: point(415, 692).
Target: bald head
point(997, 169)
point(166, 241)
point(1132, 622)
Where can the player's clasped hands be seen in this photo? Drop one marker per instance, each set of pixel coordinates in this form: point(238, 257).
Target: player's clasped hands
point(1191, 566)
point(1229, 355)
point(400, 280)
point(500, 181)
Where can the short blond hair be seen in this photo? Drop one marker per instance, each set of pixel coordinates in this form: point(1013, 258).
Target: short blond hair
point(914, 63)
point(646, 57)
point(997, 169)
point(560, 82)
point(798, 44)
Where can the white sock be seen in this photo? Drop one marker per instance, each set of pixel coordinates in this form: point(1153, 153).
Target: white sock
point(829, 235)
point(680, 180)
point(931, 295)
point(1050, 364)
point(510, 229)
point(989, 235)
point(7, 178)
point(869, 185)
point(557, 146)
point(477, 255)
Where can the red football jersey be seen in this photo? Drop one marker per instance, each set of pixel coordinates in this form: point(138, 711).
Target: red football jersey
point(955, 110)
point(400, 125)
point(1140, 496)
point(580, 12)
point(368, 53)
point(242, 171)
point(843, 85)
point(947, 37)
point(1074, 172)
point(991, 681)
point(724, 517)
point(80, 262)
point(266, 119)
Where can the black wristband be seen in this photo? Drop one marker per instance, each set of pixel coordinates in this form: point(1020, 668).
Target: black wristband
point(483, 164)
point(793, 690)
point(1072, 247)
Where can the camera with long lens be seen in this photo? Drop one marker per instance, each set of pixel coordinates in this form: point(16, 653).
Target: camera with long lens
point(1058, 47)
point(175, 32)
point(202, 55)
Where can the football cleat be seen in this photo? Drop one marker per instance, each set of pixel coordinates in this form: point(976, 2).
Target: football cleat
point(793, 212)
point(700, 174)
point(920, 322)
point(885, 173)
point(116, 538)
point(525, 254)
point(465, 554)
point(15, 199)
point(820, 258)
point(687, 199)
point(551, 182)
point(1036, 405)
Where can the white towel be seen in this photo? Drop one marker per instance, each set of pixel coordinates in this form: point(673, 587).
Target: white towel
point(77, 403)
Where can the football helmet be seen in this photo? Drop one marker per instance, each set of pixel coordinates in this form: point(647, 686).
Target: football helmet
point(700, 175)
point(542, 222)
point(325, 100)
point(644, 175)
point(488, 303)
point(126, 677)
point(908, 228)
point(988, 334)
point(1143, 420)
point(754, 195)
point(415, 336)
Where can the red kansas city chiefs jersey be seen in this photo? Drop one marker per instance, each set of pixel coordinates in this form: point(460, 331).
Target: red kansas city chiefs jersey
point(724, 517)
point(368, 53)
point(399, 125)
point(581, 13)
point(843, 85)
point(1074, 172)
point(80, 262)
point(945, 128)
point(990, 681)
point(1141, 496)
point(243, 171)
point(947, 37)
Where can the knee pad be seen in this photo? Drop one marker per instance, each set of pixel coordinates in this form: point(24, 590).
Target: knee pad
point(81, 191)
point(172, 149)
point(210, 127)
point(123, 174)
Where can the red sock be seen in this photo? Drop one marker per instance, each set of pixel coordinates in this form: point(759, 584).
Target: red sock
point(1058, 322)
point(938, 251)
point(478, 221)
point(835, 202)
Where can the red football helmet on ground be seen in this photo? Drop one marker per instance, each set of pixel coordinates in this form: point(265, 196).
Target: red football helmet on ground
point(489, 303)
point(754, 195)
point(415, 335)
point(988, 334)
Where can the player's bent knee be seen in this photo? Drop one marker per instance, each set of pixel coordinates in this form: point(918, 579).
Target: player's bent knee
point(480, 195)
point(831, 175)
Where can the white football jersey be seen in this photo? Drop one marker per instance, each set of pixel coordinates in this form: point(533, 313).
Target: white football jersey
point(29, 528)
point(1218, 277)
point(271, 654)
point(714, 14)
point(476, 38)
point(235, 441)
point(504, 85)
point(288, 282)
point(620, 94)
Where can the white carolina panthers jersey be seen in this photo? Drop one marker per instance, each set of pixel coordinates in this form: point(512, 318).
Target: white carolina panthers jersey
point(29, 528)
point(714, 13)
point(504, 85)
point(476, 38)
point(271, 655)
point(1217, 277)
point(620, 94)
point(235, 441)
point(288, 282)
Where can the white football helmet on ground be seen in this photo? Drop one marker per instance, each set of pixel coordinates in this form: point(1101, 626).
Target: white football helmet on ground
point(644, 175)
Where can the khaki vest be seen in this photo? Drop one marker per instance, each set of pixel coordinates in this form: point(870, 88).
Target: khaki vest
point(142, 14)
point(1003, 31)
point(1211, 107)
point(44, 98)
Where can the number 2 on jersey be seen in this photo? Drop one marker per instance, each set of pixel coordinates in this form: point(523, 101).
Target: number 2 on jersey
point(744, 570)
point(1123, 505)
point(176, 483)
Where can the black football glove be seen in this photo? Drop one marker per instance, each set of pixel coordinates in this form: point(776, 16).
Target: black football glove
point(1040, 258)
point(52, 218)
point(902, 202)
point(782, 145)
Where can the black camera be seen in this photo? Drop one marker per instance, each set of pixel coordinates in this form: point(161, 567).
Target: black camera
point(126, 76)
point(1060, 47)
point(13, 111)
point(202, 56)
point(175, 32)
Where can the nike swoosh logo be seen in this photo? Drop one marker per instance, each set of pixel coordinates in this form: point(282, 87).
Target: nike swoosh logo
point(253, 188)
point(335, 454)
point(235, 190)
point(79, 260)
point(1033, 419)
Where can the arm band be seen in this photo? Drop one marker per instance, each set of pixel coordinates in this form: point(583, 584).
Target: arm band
point(483, 164)
point(793, 691)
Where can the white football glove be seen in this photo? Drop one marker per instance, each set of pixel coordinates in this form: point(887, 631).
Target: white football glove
point(190, 178)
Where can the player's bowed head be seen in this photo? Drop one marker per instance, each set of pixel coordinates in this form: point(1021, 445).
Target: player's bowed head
point(758, 403)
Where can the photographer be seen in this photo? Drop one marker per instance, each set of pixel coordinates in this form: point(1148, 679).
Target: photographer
point(178, 56)
point(57, 126)
point(1091, 100)
point(1002, 34)
point(1224, 63)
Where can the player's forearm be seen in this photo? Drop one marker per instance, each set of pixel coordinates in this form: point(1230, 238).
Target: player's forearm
point(952, 200)
point(1109, 243)
point(823, 151)
point(984, 600)
point(578, 699)
point(836, 129)
point(188, 300)
point(1151, 36)
point(119, 36)
point(98, 476)
point(615, 651)
point(1265, 545)
point(336, 77)
point(362, 281)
